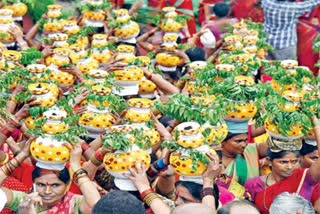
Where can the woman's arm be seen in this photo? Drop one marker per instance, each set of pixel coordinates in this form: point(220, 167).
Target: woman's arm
point(165, 86)
point(314, 169)
point(31, 34)
point(10, 166)
point(88, 189)
point(142, 40)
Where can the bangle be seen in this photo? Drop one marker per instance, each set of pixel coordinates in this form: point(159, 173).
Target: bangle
point(207, 191)
point(161, 165)
point(99, 156)
point(95, 161)
point(149, 198)
point(152, 172)
point(5, 160)
point(146, 192)
point(84, 146)
point(82, 182)
point(5, 171)
point(77, 174)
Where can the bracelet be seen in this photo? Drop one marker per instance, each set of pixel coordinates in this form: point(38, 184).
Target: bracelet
point(5, 172)
point(82, 182)
point(160, 165)
point(99, 156)
point(80, 176)
point(84, 146)
point(145, 193)
point(207, 191)
point(79, 172)
point(95, 161)
point(149, 198)
point(152, 172)
point(5, 160)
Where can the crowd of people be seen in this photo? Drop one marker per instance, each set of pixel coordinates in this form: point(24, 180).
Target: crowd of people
point(124, 108)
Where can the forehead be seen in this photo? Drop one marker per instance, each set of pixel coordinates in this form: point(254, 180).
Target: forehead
point(288, 157)
point(240, 137)
point(48, 178)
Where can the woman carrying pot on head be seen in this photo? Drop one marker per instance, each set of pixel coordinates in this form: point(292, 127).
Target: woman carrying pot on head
point(50, 188)
point(302, 181)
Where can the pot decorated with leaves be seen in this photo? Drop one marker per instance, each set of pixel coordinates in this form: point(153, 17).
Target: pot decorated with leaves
point(54, 11)
point(126, 154)
point(139, 110)
point(190, 164)
point(99, 48)
point(167, 61)
point(96, 76)
point(52, 27)
point(45, 94)
point(214, 134)
point(37, 69)
point(97, 118)
point(285, 119)
point(127, 80)
point(125, 29)
point(233, 42)
point(63, 78)
point(249, 43)
point(171, 21)
point(189, 135)
point(47, 149)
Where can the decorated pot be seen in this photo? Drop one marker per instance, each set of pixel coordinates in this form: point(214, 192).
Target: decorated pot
point(52, 27)
point(6, 21)
point(101, 55)
point(94, 18)
point(147, 89)
point(289, 64)
point(59, 40)
point(233, 42)
point(128, 31)
point(170, 41)
point(139, 110)
point(85, 65)
point(54, 11)
point(205, 100)
point(99, 40)
point(117, 164)
point(168, 62)
point(217, 133)
point(243, 110)
point(96, 76)
point(54, 123)
point(292, 103)
point(189, 135)
point(126, 53)
point(182, 162)
point(294, 131)
point(60, 57)
point(63, 78)
point(79, 50)
point(45, 94)
point(70, 27)
point(38, 70)
point(19, 9)
point(169, 24)
point(12, 59)
point(127, 81)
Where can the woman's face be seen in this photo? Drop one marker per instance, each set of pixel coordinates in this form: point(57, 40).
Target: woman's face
point(308, 159)
point(285, 166)
point(184, 196)
point(50, 188)
point(236, 144)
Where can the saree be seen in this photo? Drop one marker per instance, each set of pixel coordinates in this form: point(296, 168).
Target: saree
point(244, 166)
point(70, 204)
point(300, 182)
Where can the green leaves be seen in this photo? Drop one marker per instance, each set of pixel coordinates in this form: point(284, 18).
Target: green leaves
point(198, 156)
point(30, 56)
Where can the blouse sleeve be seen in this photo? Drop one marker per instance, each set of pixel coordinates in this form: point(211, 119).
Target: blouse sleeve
point(17, 198)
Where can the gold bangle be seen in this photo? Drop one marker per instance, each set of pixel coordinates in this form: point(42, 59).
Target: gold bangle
point(5, 171)
point(149, 198)
point(5, 160)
